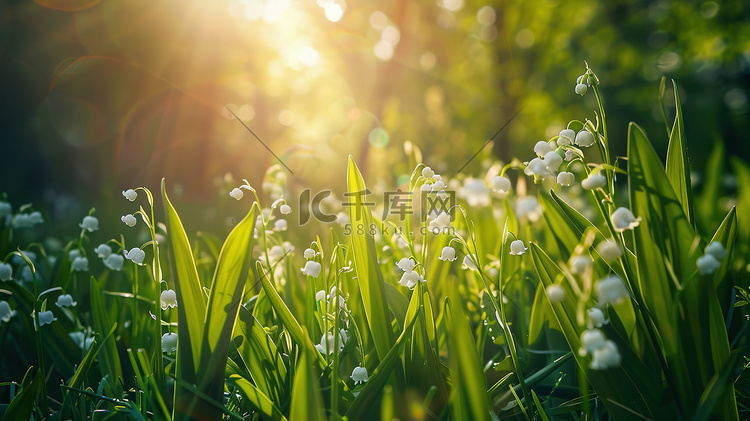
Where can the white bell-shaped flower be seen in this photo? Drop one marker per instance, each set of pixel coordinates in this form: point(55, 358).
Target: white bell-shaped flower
point(6, 272)
point(594, 181)
point(285, 209)
point(591, 340)
point(406, 264)
point(309, 253)
point(135, 255)
point(103, 250)
point(566, 178)
point(542, 148)
point(443, 220)
point(36, 218)
point(236, 193)
point(584, 138)
point(609, 250)
point(169, 342)
point(89, 223)
point(280, 225)
point(623, 219)
point(517, 248)
point(553, 161)
point(606, 357)
point(567, 136)
point(596, 317)
point(438, 185)
point(114, 262)
point(328, 342)
point(130, 194)
point(320, 295)
point(579, 263)
point(359, 375)
point(427, 172)
point(129, 220)
point(6, 312)
point(45, 318)
point(65, 300)
point(555, 293)
point(501, 185)
point(80, 264)
point(475, 192)
point(536, 167)
point(611, 290)
point(716, 249)
point(469, 262)
point(528, 207)
point(168, 299)
point(581, 89)
point(409, 279)
point(707, 264)
point(312, 268)
point(448, 253)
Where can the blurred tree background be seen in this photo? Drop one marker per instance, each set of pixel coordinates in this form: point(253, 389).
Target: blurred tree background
point(99, 96)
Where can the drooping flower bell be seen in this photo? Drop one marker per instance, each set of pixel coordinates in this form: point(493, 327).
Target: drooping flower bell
point(65, 300)
point(89, 223)
point(555, 293)
point(427, 172)
point(103, 250)
point(168, 299)
point(236, 193)
point(566, 138)
point(542, 148)
point(312, 268)
point(406, 264)
point(623, 219)
point(130, 194)
point(608, 356)
point(594, 181)
point(45, 318)
point(591, 340)
point(285, 209)
point(584, 138)
point(359, 375)
point(443, 220)
point(309, 253)
point(501, 185)
point(410, 279)
point(579, 263)
point(553, 161)
point(566, 178)
point(129, 220)
point(469, 262)
point(169, 342)
point(517, 248)
point(135, 255)
point(707, 264)
point(114, 262)
point(6, 312)
point(716, 249)
point(609, 250)
point(80, 264)
point(448, 253)
point(280, 225)
point(611, 290)
point(596, 317)
point(581, 89)
point(6, 271)
point(328, 342)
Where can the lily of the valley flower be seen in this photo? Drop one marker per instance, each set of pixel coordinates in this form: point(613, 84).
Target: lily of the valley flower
point(80, 264)
point(168, 299)
point(591, 340)
point(579, 263)
point(566, 178)
point(609, 250)
point(406, 264)
point(103, 250)
point(606, 357)
point(448, 253)
point(707, 264)
point(469, 262)
point(623, 219)
point(309, 253)
point(27, 220)
point(285, 209)
point(45, 318)
point(410, 279)
point(581, 89)
point(328, 342)
point(501, 185)
point(312, 268)
point(135, 255)
point(89, 223)
point(441, 221)
point(517, 248)
point(130, 194)
point(65, 300)
point(566, 138)
point(129, 220)
point(611, 290)
point(597, 317)
point(359, 375)
point(6, 312)
point(427, 172)
point(280, 225)
point(320, 295)
point(236, 193)
point(114, 262)
point(553, 161)
point(716, 249)
point(584, 138)
point(542, 148)
point(555, 293)
point(6, 272)
point(537, 168)
point(169, 342)
point(594, 181)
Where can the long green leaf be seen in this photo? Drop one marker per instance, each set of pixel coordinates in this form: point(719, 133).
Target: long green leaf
point(366, 262)
point(256, 399)
point(192, 307)
point(307, 399)
point(22, 405)
point(678, 168)
point(108, 356)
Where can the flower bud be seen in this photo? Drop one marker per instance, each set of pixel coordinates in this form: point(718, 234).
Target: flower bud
point(6, 272)
point(129, 220)
point(501, 185)
point(584, 138)
point(236, 193)
point(169, 342)
point(427, 172)
point(130, 194)
point(448, 253)
point(566, 178)
point(542, 148)
point(581, 89)
point(517, 248)
point(567, 136)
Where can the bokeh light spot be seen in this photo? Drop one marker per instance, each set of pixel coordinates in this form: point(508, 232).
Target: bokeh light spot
point(383, 50)
point(452, 5)
point(391, 34)
point(334, 12)
point(378, 137)
point(427, 60)
point(286, 118)
point(246, 112)
point(486, 15)
point(378, 20)
point(525, 38)
point(354, 114)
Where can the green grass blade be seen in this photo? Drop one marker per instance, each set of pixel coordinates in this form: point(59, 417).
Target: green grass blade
point(742, 171)
point(256, 399)
point(366, 262)
point(192, 306)
point(678, 168)
point(108, 357)
point(307, 399)
point(22, 405)
point(83, 368)
point(227, 289)
point(469, 386)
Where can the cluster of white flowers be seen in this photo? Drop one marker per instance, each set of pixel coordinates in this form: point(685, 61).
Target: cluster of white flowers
point(611, 290)
point(604, 351)
point(78, 262)
point(112, 261)
point(584, 81)
point(332, 297)
point(329, 345)
point(434, 184)
point(410, 278)
point(27, 220)
point(711, 259)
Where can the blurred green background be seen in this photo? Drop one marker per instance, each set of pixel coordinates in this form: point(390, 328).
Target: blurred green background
point(99, 96)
